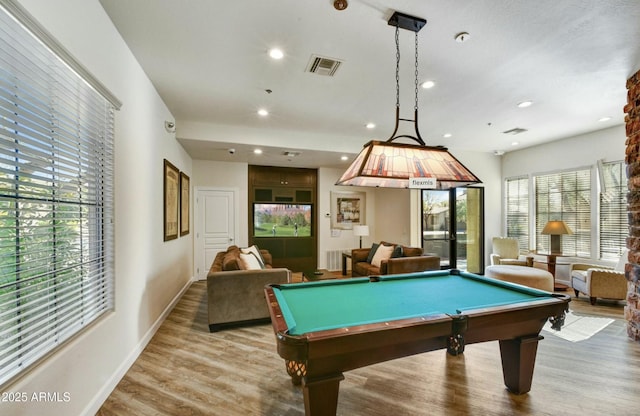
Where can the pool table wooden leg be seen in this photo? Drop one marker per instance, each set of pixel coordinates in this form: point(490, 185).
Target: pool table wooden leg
point(321, 395)
point(518, 360)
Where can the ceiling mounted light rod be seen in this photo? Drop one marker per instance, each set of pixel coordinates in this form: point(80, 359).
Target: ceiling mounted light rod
point(400, 165)
point(414, 24)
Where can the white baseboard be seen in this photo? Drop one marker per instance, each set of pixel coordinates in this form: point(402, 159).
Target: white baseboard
point(102, 395)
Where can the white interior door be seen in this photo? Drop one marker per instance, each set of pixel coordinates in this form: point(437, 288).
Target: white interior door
point(215, 226)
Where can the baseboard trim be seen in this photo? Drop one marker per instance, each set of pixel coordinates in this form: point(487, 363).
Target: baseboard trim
point(102, 395)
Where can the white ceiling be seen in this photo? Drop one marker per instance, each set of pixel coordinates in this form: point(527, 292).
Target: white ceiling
point(208, 60)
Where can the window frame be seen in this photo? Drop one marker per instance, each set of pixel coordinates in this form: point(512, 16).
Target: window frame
point(56, 195)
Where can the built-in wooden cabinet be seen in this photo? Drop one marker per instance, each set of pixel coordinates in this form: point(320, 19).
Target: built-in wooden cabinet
point(293, 189)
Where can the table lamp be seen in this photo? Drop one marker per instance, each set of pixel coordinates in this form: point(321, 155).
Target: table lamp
point(361, 231)
point(555, 229)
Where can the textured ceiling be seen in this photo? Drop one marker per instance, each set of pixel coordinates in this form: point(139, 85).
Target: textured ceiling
point(209, 62)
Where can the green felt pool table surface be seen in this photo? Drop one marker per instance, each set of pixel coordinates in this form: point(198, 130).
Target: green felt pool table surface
point(334, 304)
point(325, 328)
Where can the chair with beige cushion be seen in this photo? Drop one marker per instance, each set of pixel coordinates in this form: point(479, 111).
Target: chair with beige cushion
point(598, 281)
point(506, 251)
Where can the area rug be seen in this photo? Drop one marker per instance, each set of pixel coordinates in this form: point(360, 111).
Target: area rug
point(578, 328)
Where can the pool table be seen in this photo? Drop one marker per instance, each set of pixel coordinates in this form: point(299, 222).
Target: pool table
point(327, 327)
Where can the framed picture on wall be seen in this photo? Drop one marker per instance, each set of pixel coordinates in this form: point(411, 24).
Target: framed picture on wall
point(184, 204)
point(347, 209)
point(171, 200)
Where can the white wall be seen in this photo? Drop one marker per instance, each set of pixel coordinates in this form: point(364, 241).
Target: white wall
point(343, 239)
point(149, 273)
point(578, 151)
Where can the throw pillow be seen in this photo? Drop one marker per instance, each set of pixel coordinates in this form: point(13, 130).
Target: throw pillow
point(397, 252)
point(256, 252)
point(251, 262)
point(382, 253)
point(372, 252)
point(231, 260)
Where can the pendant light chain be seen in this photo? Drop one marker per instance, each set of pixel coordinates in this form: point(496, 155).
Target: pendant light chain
point(416, 106)
point(397, 67)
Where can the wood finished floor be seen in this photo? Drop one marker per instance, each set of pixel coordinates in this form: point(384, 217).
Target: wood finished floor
point(185, 370)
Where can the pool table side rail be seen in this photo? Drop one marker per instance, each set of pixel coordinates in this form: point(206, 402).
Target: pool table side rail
point(511, 321)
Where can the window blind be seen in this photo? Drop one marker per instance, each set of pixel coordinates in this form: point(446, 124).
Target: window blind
point(56, 200)
point(517, 203)
point(565, 196)
point(614, 224)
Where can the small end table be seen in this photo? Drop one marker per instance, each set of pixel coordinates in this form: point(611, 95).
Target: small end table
point(346, 254)
point(319, 274)
point(550, 266)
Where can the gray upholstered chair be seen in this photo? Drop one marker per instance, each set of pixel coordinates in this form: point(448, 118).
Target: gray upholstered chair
point(506, 251)
point(598, 281)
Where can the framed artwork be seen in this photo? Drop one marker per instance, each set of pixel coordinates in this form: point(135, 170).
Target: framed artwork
point(184, 204)
point(347, 209)
point(171, 200)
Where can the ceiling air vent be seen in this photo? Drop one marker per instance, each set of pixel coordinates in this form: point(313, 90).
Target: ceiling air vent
point(515, 131)
point(322, 65)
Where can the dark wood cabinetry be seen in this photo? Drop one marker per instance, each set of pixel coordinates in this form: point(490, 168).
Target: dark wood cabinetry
point(297, 186)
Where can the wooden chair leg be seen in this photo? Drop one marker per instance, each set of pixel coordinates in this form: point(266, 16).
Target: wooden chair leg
point(592, 300)
point(576, 292)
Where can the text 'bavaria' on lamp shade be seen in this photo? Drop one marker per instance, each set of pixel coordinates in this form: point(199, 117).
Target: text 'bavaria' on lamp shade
point(555, 229)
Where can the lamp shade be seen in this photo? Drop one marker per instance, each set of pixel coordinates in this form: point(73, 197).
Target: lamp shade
point(361, 230)
point(556, 228)
point(390, 165)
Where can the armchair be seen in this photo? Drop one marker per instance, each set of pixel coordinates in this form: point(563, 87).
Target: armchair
point(506, 251)
point(598, 281)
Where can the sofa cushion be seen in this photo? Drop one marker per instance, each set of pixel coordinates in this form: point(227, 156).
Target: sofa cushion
point(256, 253)
point(622, 261)
point(231, 260)
point(251, 261)
point(382, 253)
point(412, 251)
point(397, 252)
point(579, 274)
point(372, 252)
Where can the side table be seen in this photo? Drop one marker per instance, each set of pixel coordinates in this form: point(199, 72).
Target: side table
point(319, 274)
point(549, 264)
point(346, 254)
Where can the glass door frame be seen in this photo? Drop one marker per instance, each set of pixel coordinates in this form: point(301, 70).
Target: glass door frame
point(451, 233)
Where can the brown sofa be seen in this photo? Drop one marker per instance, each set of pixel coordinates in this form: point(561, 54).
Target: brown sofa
point(405, 260)
point(235, 294)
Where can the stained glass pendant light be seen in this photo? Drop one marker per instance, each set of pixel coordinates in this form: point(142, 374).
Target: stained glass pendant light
point(392, 164)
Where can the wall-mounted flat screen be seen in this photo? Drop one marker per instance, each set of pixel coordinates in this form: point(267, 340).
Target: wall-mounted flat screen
point(282, 220)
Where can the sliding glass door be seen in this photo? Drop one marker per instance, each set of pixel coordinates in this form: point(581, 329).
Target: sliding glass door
point(453, 227)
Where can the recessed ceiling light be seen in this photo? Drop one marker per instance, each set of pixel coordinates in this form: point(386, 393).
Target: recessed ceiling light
point(515, 143)
point(276, 53)
point(447, 135)
point(428, 84)
point(607, 118)
point(370, 125)
point(344, 158)
point(525, 104)
point(257, 151)
point(262, 112)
